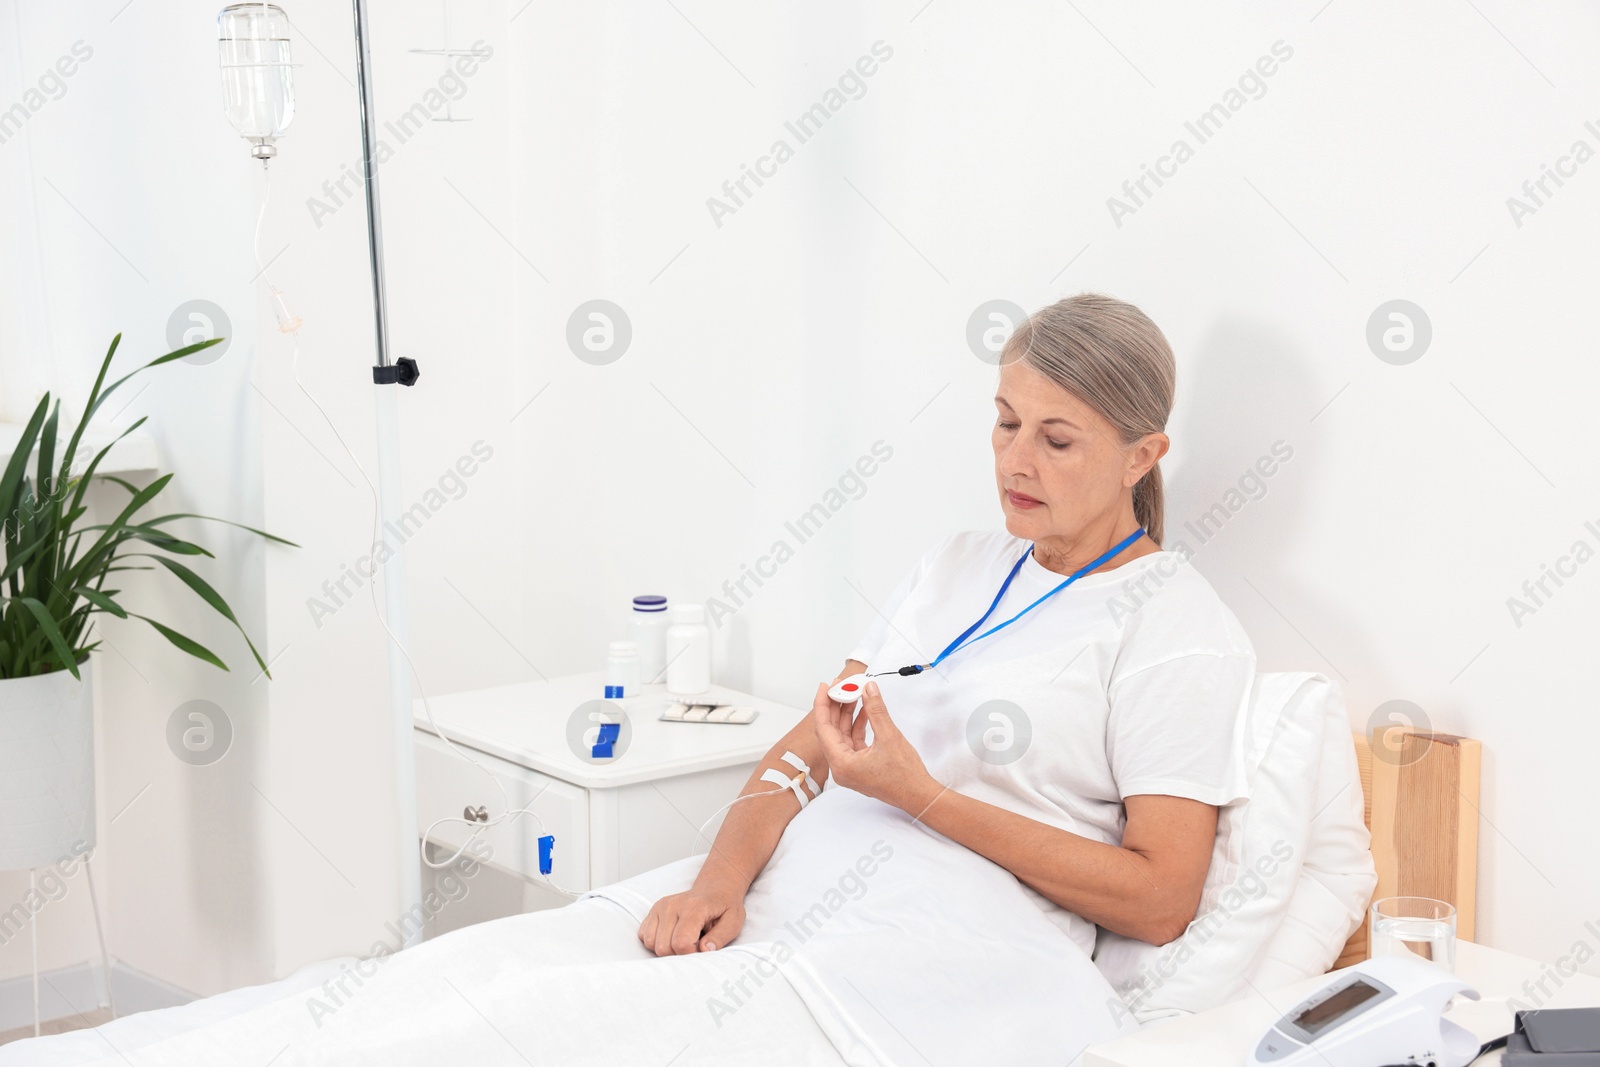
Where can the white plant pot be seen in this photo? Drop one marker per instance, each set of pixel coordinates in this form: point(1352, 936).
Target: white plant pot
point(46, 768)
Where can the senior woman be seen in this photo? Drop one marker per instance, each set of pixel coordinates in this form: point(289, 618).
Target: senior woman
point(1085, 746)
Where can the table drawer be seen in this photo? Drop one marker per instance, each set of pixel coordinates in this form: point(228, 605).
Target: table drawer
point(448, 784)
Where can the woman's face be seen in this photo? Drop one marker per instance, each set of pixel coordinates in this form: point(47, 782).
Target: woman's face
point(1060, 467)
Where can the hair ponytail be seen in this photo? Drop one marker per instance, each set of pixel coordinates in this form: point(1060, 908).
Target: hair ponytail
point(1150, 504)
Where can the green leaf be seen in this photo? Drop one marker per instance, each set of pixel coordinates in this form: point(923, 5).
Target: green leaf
point(189, 645)
point(19, 464)
point(19, 558)
point(102, 601)
point(45, 478)
point(170, 542)
point(203, 590)
point(88, 472)
point(48, 626)
point(140, 499)
point(94, 398)
point(182, 352)
point(164, 541)
point(229, 522)
point(97, 400)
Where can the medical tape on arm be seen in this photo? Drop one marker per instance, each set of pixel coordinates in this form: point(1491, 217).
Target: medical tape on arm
point(800, 765)
point(776, 777)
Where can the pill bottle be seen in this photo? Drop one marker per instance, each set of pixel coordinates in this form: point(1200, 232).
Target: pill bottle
point(647, 627)
point(688, 650)
point(622, 670)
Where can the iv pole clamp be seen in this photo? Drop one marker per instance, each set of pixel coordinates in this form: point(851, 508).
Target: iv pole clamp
point(404, 370)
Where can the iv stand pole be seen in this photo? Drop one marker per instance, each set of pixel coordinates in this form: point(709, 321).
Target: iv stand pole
point(386, 375)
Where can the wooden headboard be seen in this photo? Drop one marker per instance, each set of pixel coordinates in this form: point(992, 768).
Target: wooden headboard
point(1421, 805)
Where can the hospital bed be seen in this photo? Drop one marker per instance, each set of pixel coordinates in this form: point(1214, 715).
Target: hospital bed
point(1420, 793)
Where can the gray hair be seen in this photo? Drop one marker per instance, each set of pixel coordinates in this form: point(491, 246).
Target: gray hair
point(1108, 354)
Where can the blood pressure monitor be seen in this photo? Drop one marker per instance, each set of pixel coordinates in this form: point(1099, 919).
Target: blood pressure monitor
point(1388, 1010)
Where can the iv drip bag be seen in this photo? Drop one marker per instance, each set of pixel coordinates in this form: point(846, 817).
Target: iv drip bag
point(257, 74)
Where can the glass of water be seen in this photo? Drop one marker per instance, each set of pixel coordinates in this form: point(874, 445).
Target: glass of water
point(1420, 927)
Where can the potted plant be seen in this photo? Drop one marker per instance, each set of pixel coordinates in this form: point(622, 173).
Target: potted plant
point(58, 572)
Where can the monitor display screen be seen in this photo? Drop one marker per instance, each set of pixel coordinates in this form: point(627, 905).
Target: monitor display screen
point(1319, 1017)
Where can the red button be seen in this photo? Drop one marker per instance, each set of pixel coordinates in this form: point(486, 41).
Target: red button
point(849, 687)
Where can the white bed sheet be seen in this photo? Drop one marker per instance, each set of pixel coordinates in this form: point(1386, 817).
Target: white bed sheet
point(571, 986)
point(150, 1027)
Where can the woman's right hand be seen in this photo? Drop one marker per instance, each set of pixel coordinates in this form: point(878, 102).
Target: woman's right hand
point(702, 919)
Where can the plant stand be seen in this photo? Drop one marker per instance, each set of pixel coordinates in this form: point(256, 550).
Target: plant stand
point(100, 935)
point(104, 997)
point(47, 810)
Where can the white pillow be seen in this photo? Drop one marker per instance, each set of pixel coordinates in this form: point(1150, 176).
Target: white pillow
point(1337, 878)
point(1255, 863)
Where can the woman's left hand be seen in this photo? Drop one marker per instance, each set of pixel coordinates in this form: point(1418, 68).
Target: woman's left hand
point(888, 769)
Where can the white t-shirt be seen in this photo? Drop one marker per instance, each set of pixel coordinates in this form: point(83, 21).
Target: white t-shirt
point(1132, 680)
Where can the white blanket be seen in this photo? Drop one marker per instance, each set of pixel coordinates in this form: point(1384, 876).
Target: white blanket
point(907, 947)
point(870, 940)
point(572, 986)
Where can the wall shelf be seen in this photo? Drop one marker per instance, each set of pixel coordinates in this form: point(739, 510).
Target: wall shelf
point(134, 453)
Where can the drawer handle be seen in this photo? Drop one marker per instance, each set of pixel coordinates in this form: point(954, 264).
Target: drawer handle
point(477, 814)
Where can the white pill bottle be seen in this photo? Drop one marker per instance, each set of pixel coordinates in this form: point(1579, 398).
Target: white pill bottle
point(647, 627)
point(622, 670)
point(688, 650)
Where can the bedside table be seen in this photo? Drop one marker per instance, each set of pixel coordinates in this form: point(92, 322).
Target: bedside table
point(611, 820)
point(1221, 1037)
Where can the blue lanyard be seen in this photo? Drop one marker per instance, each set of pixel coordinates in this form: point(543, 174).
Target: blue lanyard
point(963, 641)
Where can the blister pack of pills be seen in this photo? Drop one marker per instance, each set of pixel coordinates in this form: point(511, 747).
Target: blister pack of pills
point(725, 713)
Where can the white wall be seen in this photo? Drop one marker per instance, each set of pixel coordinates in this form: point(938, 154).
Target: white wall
point(828, 313)
point(1376, 165)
